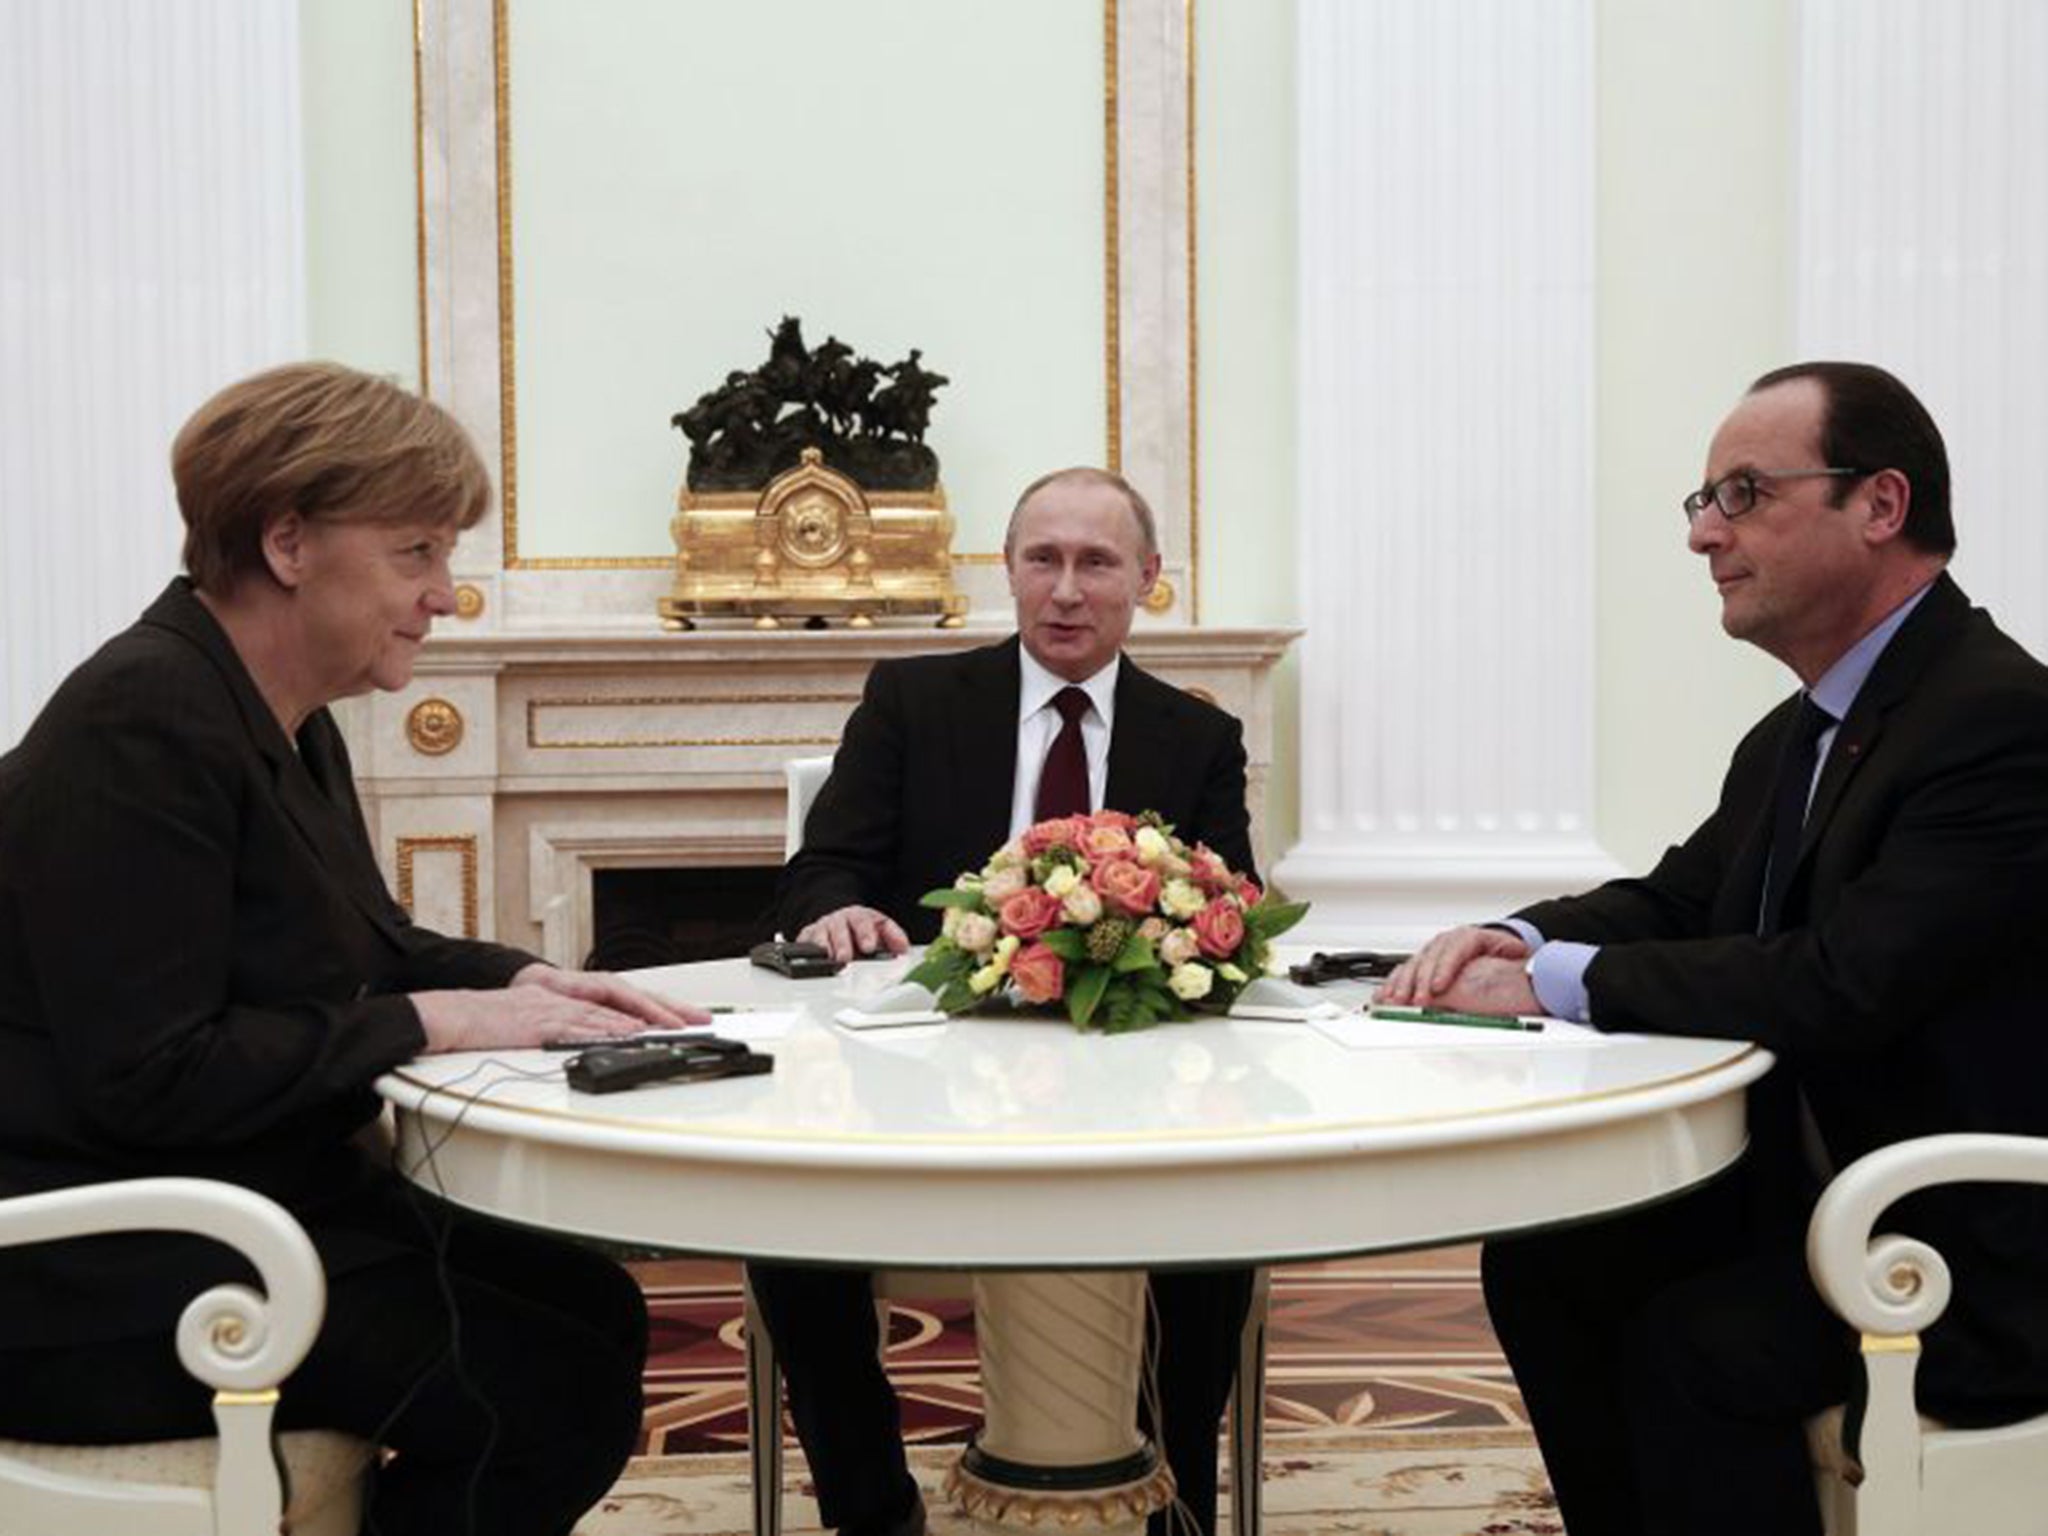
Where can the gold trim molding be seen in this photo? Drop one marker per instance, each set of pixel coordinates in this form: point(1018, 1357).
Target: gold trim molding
point(1113, 369)
point(535, 740)
point(409, 848)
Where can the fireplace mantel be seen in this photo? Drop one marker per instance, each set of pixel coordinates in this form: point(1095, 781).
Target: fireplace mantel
point(520, 762)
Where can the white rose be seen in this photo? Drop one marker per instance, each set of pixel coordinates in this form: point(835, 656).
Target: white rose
point(1154, 929)
point(1082, 906)
point(975, 932)
point(1191, 981)
point(1062, 880)
point(1004, 883)
point(949, 923)
point(1181, 898)
point(985, 980)
point(1178, 947)
point(1151, 845)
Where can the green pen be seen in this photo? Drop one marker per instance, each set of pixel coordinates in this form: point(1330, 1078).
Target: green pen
point(1446, 1016)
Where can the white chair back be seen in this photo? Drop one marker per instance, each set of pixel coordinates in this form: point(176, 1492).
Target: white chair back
point(238, 1341)
point(1906, 1474)
point(805, 777)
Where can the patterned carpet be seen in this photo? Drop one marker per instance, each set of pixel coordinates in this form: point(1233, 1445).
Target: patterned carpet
point(1389, 1410)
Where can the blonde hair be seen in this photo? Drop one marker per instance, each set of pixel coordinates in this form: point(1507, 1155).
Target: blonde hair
point(1087, 474)
point(326, 442)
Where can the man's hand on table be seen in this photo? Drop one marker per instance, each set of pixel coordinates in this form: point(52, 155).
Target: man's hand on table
point(1469, 970)
point(853, 931)
point(542, 1005)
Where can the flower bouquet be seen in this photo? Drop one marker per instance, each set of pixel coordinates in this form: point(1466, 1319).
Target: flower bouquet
point(1110, 916)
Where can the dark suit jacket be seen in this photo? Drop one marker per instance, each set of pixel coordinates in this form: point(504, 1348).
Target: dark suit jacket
point(922, 782)
point(1905, 994)
point(200, 967)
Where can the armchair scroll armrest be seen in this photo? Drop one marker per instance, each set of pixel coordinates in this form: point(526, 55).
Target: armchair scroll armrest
point(1892, 1286)
point(229, 1336)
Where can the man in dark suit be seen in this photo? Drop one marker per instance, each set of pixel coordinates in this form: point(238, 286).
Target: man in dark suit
point(1859, 902)
point(945, 759)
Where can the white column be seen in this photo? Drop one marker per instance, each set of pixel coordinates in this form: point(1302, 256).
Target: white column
point(150, 251)
point(1446, 181)
point(1922, 245)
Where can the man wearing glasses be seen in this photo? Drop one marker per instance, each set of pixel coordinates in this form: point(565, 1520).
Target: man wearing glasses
point(1866, 901)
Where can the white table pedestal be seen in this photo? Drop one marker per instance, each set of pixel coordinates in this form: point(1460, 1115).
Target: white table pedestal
point(1061, 1359)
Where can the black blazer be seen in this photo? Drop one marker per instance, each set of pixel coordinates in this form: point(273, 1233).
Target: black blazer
point(200, 966)
point(922, 783)
point(1904, 994)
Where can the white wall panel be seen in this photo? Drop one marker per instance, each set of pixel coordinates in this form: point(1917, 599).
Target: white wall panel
point(1446, 407)
point(150, 252)
point(1922, 225)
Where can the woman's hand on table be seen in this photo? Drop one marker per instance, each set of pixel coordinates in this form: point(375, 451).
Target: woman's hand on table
point(542, 1005)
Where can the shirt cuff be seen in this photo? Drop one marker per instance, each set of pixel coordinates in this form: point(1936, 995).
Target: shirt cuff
point(1527, 932)
point(1557, 972)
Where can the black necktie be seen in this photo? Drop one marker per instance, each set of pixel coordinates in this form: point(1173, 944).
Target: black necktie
point(1063, 783)
point(1788, 807)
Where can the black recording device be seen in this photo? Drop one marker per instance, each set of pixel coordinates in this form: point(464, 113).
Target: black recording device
point(1345, 965)
point(792, 957)
point(610, 1068)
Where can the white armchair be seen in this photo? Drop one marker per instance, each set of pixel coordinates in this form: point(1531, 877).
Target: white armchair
point(245, 1482)
point(1908, 1475)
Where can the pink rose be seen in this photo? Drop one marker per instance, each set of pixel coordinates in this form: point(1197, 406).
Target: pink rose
point(1068, 830)
point(1039, 975)
point(1207, 869)
point(1219, 929)
point(1126, 885)
point(1177, 948)
point(1248, 891)
point(1123, 821)
point(1106, 842)
point(1029, 913)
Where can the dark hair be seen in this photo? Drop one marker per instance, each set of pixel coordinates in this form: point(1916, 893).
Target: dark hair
point(1087, 474)
point(326, 442)
point(1871, 421)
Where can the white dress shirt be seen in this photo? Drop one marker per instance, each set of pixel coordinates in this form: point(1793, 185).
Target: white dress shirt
point(1038, 722)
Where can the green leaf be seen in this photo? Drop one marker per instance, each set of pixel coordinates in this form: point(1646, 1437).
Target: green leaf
point(1084, 992)
point(1271, 917)
point(957, 997)
point(1065, 943)
point(952, 896)
point(1136, 955)
point(942, 963)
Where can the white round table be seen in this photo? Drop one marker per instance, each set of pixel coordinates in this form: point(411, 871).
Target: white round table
point(1019, 1144)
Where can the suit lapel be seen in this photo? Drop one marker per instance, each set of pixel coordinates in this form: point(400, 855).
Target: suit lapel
point(1140, 742)
point(982, 716)
point(1924, 635)
point(317, 819)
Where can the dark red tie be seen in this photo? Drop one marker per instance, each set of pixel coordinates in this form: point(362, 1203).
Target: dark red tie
point(1063, 784)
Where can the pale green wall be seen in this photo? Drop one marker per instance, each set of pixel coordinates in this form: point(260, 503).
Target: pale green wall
point(362, 264)
point(1693, 250)
point(1245, 262)
point(901, 173)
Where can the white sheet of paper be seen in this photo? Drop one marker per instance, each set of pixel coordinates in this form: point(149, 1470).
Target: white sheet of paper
point(755, 1024)
point(860, 1018)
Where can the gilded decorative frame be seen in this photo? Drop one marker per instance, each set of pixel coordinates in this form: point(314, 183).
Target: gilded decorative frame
point(467, 312)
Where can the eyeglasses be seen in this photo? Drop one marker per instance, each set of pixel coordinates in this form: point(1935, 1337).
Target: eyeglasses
point(1735, 494)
